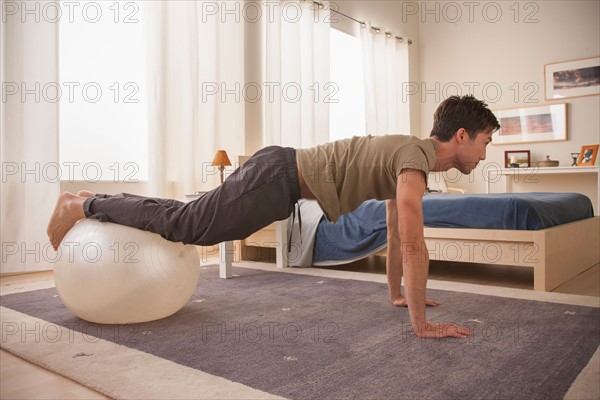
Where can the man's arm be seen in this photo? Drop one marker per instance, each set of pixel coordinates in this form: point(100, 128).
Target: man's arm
point(393, 264)
point(409, 197)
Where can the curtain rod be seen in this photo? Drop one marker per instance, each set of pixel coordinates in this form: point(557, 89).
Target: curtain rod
point(363, 24)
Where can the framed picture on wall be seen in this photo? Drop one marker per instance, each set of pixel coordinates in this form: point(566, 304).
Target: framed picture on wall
point(517, 159)
point(572, 78)
point(587, 155)
point(532, 124)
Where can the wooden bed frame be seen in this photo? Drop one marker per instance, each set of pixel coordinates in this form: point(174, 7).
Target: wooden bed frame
point(556, 254)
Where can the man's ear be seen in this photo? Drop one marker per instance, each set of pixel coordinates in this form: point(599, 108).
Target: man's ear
point(461, 136)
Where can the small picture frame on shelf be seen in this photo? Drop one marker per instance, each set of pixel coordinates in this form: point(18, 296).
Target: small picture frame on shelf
point(517, 159)
point(587, 155)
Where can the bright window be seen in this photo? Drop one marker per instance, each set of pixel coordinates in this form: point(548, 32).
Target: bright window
point(103, 117)
point(347, 116)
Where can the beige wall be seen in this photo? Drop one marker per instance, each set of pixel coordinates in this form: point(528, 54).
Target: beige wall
point(503, 54)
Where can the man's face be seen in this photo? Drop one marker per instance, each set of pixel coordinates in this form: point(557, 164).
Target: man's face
point(471, 152)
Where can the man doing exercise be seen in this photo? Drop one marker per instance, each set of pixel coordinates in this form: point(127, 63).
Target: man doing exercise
point(338, 175)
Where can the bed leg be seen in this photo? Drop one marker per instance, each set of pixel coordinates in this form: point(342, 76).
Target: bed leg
point(539, 277)
point(565, 252)
point(281, 233)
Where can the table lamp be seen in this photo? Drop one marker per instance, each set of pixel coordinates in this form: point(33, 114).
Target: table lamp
point(221, 161)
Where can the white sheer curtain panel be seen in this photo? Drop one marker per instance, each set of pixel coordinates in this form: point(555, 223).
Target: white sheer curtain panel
point(297, 87)
point(195, 92)
point(385, 66)
point(29, 137)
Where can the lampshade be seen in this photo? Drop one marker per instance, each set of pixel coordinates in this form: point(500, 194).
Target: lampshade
point(221, 159)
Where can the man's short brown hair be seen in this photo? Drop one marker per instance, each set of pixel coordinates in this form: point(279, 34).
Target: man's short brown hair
point(462, 112)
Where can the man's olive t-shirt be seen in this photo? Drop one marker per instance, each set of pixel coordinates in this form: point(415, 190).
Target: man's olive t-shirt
point(345, 173)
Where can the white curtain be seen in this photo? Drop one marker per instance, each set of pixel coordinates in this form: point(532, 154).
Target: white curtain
point(195, 92)
point(29, 138)
point(385, 66)
point(297, 82)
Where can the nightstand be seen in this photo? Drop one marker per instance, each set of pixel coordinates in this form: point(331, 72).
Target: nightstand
point(267, 244)
point(225, 248)
point(259, 246)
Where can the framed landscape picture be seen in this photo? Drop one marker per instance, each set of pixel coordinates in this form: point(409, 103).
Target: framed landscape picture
point(532, 124)
point(572, 78)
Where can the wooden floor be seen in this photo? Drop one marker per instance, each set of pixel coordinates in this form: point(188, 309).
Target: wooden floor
point(20, 379)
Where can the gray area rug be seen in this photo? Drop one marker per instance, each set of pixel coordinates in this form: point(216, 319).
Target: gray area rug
point(305, 337)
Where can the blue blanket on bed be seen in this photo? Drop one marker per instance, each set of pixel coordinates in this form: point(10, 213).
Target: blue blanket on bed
point(364, 230)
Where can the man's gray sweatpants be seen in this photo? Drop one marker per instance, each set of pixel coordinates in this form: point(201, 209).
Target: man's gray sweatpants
point(263, 190)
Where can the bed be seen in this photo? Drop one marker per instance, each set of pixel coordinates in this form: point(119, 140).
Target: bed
point(556, 234)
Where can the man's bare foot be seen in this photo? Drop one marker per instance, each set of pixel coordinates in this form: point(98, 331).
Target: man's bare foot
point(401, 302)
point(85, 193)
point(68, 210)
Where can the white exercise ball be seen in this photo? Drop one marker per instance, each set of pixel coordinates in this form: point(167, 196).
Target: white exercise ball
point(113, 274)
